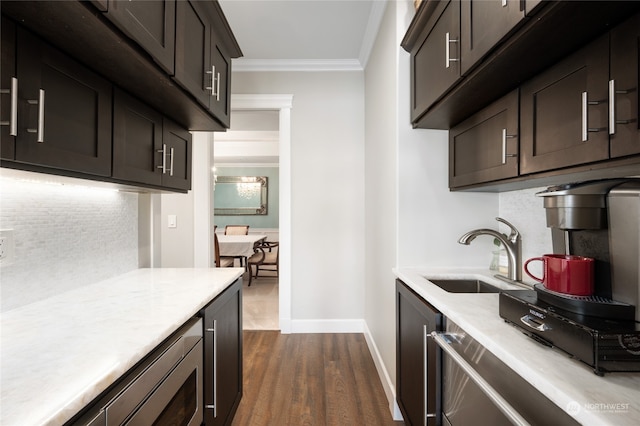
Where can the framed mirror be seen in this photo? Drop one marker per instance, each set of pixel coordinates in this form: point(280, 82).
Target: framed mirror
point(240, 195)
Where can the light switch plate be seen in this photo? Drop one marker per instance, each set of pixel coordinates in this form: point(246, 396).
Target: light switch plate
point(7, 247)
point(172, 221)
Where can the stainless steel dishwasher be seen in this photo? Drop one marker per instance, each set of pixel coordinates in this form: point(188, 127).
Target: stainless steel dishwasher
point(478, 389)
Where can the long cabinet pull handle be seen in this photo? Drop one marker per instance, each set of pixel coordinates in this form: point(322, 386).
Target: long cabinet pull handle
point(585, 117)
point(212, 88)
point(13, 113)
point(215, 368)
point(497, 399)
point(40, 127)
point(504, 146)
point(447, 49)
point(612, 107)
point(425, 360)
point(163, 151)
point(218, 87)
point(171, 163)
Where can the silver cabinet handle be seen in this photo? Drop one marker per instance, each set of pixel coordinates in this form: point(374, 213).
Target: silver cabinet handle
point(585, 117)
point(612, 107)
point(484, 386)
point(504, 146)
point(13, 113)
point(218, 87)
point(171, 162)
point(163, 151)
point(425, 360)
point(215, 368)
point(212, 88)
point(447, 49)
point(529, 322)
point(40, 128)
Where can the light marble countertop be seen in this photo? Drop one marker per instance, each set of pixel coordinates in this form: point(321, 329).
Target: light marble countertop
point(58, 354)
point(592, 400)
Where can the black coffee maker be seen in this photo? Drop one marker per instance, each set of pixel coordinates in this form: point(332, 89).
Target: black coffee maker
point(601, 220)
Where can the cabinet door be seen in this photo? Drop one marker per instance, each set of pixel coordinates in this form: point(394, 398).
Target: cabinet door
point(193, 49)
point(137, 141)
point(564, 112)
point(8, 98)
point(483, 23)
point(177, 142)
point(435, 64)
point(415, 319)
point(484, 147)
point(221, 97)
point(64, 116)
point(151, 23)
point(624, 122)
point(223, 356)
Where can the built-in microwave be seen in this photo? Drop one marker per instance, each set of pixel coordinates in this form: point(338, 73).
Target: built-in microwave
point(165, 388)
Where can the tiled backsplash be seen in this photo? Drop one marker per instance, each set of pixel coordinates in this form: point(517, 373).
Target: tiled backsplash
point(65, 237)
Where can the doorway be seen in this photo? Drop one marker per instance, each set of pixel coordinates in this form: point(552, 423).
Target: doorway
point(281, 105)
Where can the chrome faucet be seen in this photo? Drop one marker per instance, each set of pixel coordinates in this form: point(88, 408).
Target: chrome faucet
point(512, 244)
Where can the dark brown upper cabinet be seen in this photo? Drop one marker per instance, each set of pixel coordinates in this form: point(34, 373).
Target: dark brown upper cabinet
point(63, 110)
point(483, 24)
point(9, 87)
point(151, 23)
point(148, 148)
point(499, 48)
point(130, 44)
point(484, 147)
point(624, 123)
point(203, 56)
point(564, 112)
point(435, 63)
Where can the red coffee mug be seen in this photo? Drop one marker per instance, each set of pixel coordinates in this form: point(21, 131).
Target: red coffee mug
point(565, 273)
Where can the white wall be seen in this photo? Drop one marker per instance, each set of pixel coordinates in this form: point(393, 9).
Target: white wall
point(327, 194)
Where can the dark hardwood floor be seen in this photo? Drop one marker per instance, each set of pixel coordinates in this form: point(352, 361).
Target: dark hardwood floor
point(310, 379)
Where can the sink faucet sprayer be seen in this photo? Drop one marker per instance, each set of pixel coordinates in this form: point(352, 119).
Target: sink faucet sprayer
point(511, 243)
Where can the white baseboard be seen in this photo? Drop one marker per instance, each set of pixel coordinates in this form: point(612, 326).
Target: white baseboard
point(387, 385)
point(326, 326)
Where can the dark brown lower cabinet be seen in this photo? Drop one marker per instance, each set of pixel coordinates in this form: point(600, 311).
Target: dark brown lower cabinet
point(418, 360)
point(484, 147)
point(223, 356)
point(564, 112)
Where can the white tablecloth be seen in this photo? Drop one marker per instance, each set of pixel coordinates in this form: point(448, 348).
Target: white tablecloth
point(238, 245)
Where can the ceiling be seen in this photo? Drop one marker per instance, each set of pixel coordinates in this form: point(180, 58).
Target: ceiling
point(297, 35)
point(292, 35)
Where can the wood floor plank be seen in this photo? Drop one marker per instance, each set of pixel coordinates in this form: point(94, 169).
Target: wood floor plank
point(310, 379)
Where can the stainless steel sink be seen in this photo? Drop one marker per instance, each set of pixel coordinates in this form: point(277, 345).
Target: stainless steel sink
point(464, 286)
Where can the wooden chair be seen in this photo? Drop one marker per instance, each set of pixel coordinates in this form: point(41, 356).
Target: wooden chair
point(255, 260)
point(236, 230)
point(221, 262)
point(271, 258)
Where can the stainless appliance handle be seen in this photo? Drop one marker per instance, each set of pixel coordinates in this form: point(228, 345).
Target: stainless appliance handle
point(214, 406)
point(529, 322)
point(612, 107)
point(163, 151)
point(13, 113)
point(40, 127)
point(484, 386)
point(447, 49)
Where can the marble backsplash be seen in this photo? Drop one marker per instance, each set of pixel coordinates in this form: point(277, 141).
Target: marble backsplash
point(65, 236)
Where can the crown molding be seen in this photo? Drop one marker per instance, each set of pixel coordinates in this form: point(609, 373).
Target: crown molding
point(371, 32)
point(304, 65)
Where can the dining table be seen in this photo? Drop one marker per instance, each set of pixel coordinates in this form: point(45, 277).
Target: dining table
point(240, 246)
